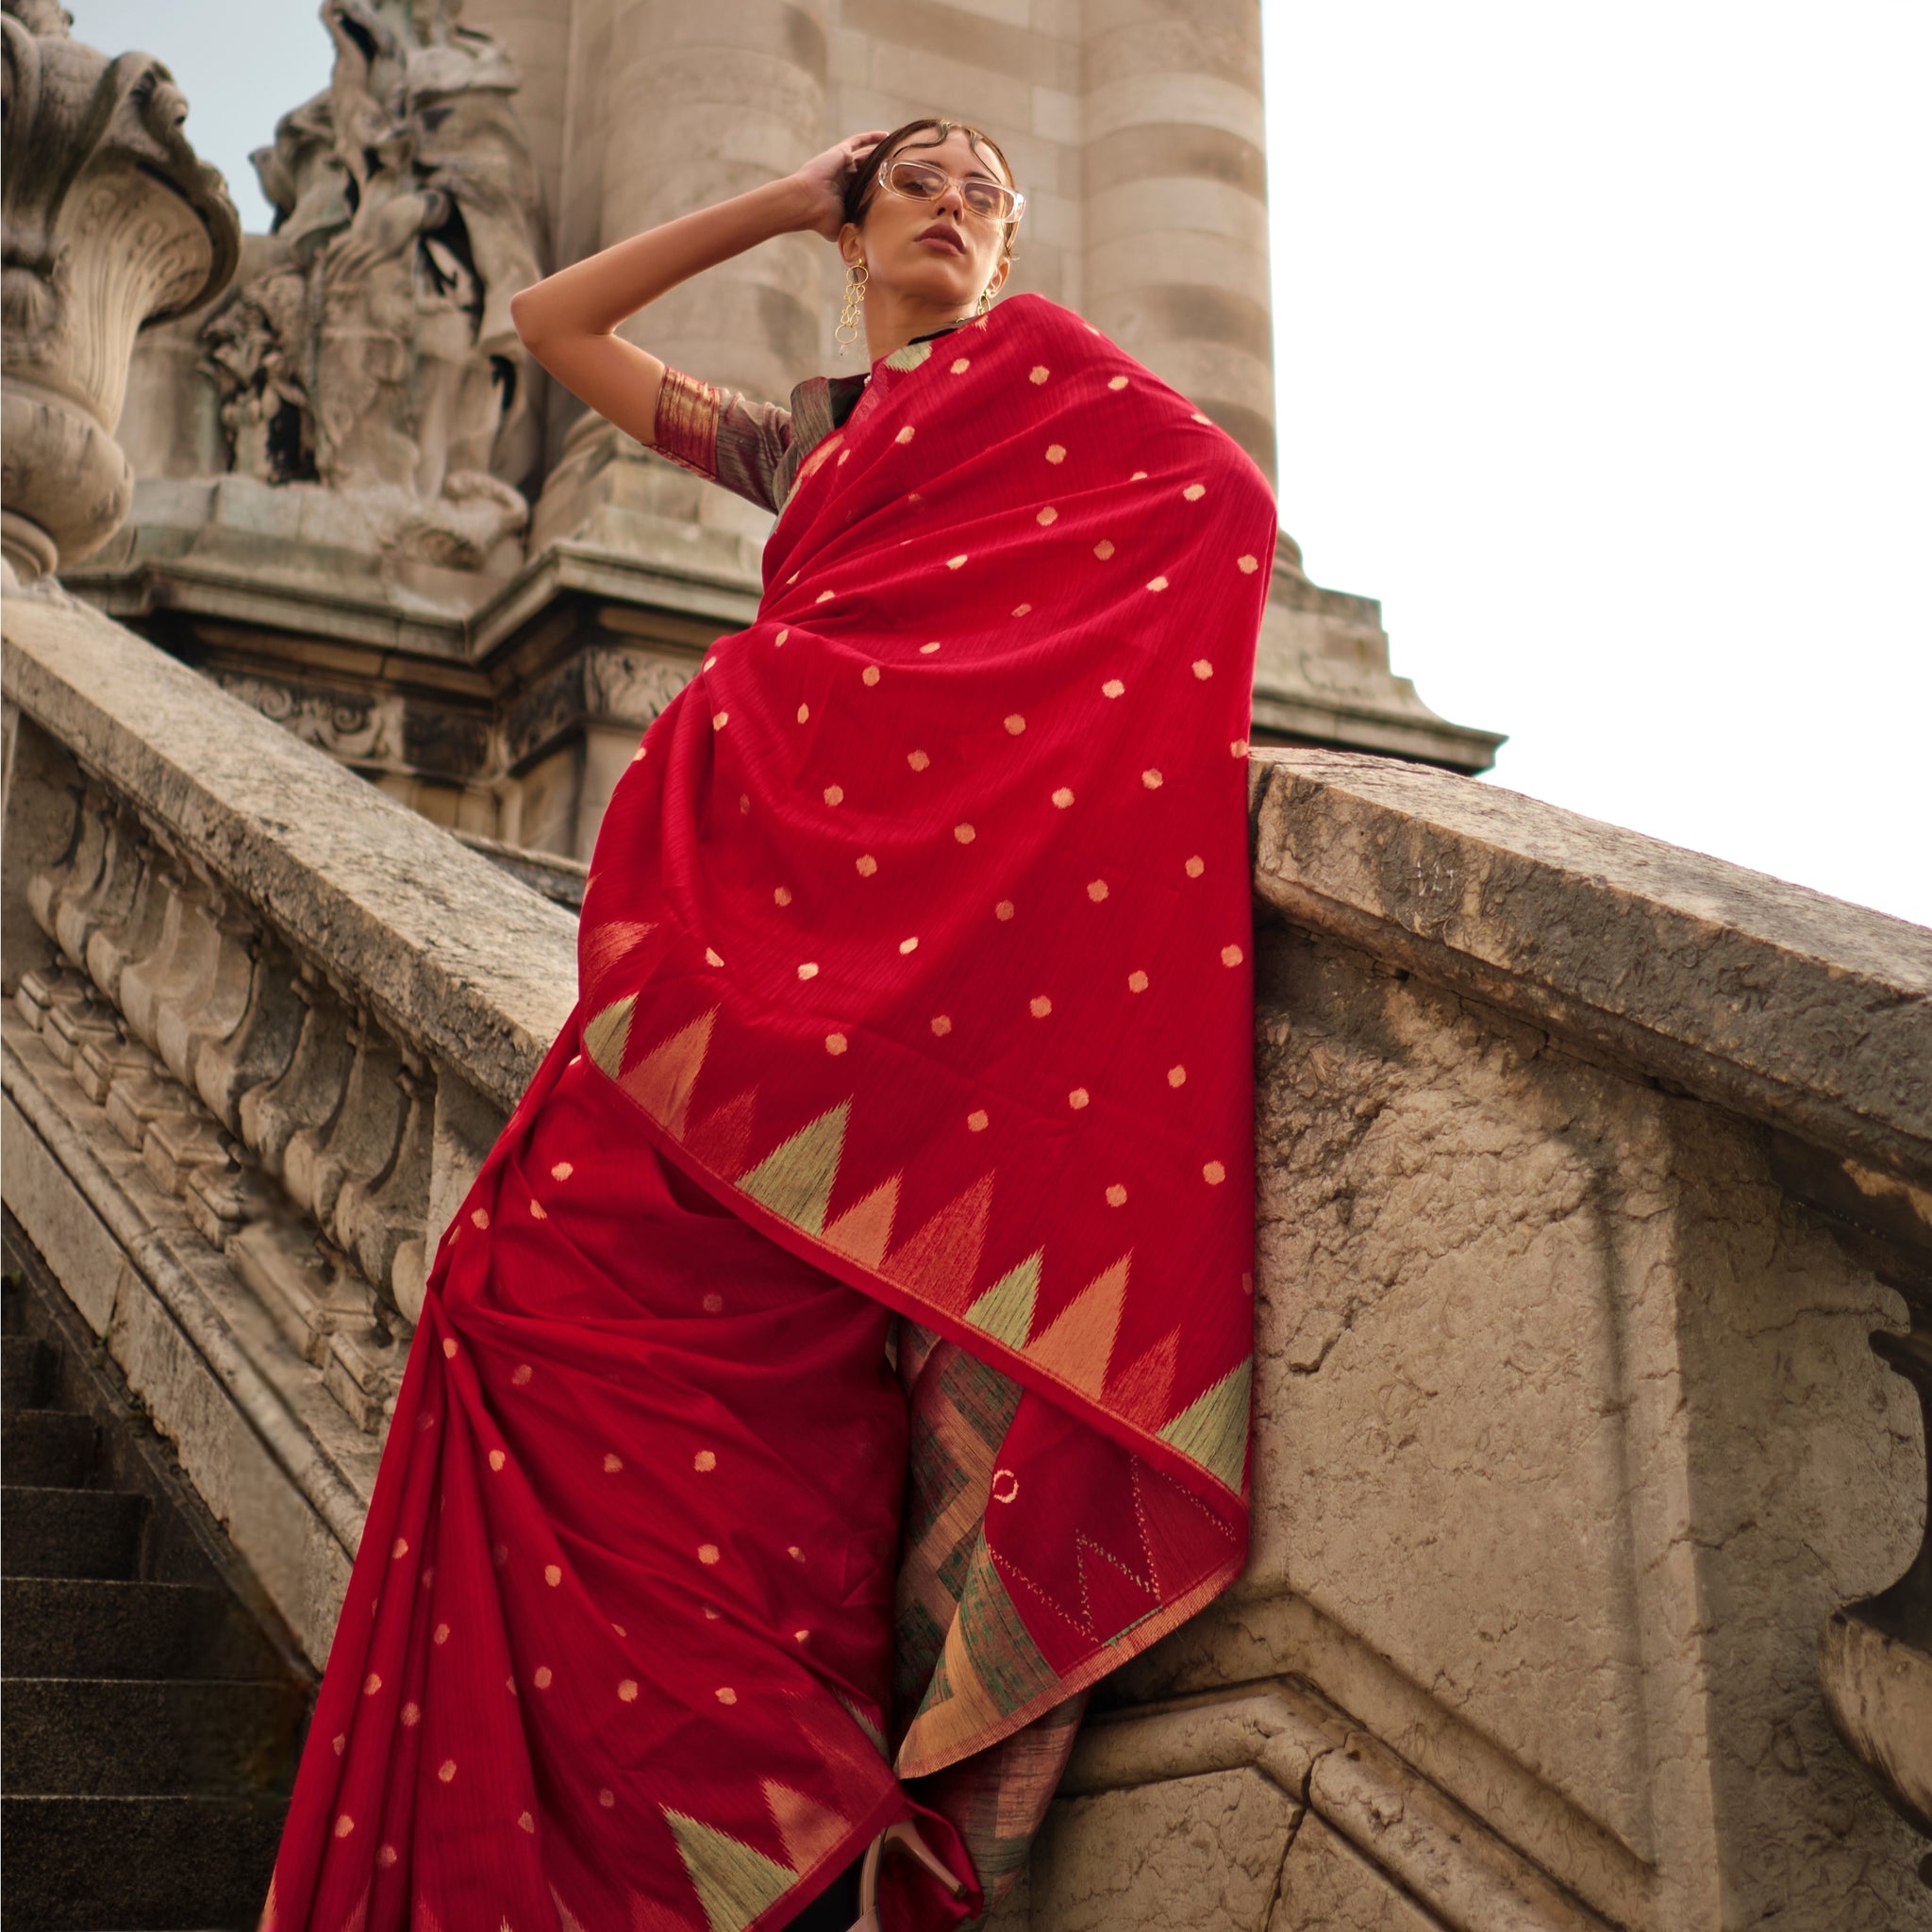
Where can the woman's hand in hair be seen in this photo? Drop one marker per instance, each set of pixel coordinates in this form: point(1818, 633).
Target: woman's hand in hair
point(825, 177)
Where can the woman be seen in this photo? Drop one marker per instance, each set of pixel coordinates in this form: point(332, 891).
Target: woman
point(841, 1360)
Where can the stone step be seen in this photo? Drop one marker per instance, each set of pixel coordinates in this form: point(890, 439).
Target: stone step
point(63, 1532)
point(100, 1737)
point(27, 1365)
point(158, 1862)
point(63, 1626)
point(47, 1448)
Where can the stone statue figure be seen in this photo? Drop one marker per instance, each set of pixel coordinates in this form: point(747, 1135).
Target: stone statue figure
point(372, 350)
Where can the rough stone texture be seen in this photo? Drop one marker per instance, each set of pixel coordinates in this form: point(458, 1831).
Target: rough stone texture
point(1191, 1855)
point(1568, 1437)
point(1758, 994)
point(459, 957)
point(1326, 1886)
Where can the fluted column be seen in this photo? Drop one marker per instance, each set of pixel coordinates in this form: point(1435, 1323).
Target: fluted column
point(1175, 203)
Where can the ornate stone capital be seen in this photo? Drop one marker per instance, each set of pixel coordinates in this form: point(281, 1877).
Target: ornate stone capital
point(110, 221)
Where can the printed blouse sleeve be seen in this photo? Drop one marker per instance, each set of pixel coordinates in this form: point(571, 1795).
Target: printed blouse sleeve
point(722, 435)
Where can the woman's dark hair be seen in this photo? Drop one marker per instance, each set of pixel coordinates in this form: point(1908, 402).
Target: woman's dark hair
point(863, 185)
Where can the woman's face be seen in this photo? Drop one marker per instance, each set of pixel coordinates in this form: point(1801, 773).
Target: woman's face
point(934, 252)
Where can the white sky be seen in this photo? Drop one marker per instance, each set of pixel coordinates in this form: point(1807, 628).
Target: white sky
point(1601, 338)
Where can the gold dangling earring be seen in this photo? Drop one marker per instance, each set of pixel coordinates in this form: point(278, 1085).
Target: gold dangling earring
point(856, 275)
point(984, 300)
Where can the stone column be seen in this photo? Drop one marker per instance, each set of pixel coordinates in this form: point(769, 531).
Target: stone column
point(699, 103)
point(1176, 203)
point(112, 221)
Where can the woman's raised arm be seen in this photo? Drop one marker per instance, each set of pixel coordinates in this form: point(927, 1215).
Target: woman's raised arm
point(568, 321)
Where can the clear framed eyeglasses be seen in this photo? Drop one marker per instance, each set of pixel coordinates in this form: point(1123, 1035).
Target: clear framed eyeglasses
point(991, 201)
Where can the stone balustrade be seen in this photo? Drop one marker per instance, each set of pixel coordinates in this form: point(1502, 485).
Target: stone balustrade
point(1588, 1169)
point(263, 1023)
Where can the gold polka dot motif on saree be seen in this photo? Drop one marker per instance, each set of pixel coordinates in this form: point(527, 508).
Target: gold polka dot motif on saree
point(1048, 515)
point(870, 676)
point(836, 1043)
point(1195, 866)
point(866, 865)
point(1096, 890)
point(976, 1121)
point(1055, 453)
point(1038, 372)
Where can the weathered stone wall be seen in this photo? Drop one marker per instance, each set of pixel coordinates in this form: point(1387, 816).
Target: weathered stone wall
point(1568, 1434)
point(1585, 1167)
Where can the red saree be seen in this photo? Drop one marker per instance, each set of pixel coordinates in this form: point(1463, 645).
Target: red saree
point(913, 979)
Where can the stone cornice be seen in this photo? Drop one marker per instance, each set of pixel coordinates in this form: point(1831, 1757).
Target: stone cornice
point(1803, 1011)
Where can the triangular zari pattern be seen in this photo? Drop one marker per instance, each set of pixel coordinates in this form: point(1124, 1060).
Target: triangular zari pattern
point(1212, 1430)
point(734, 1882)
point(795, 1179)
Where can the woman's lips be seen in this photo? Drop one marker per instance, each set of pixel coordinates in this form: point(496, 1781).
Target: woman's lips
point(943, 238)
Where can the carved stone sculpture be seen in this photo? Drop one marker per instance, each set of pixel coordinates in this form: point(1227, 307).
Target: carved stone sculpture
point(371, 353)
point(110, 223)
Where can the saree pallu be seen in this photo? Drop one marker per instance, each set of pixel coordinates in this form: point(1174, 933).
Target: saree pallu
point(913, 981)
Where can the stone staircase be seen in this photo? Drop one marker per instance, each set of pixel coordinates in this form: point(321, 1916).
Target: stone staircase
point(152, 1711)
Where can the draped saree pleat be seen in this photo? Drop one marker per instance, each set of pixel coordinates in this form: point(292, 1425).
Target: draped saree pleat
point(914, 1011)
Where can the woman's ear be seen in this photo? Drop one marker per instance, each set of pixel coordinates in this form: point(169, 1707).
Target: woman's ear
point(851, 244)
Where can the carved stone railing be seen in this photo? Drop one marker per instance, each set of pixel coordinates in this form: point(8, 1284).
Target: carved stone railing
point(1587, 1168)
point(262, 1025)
